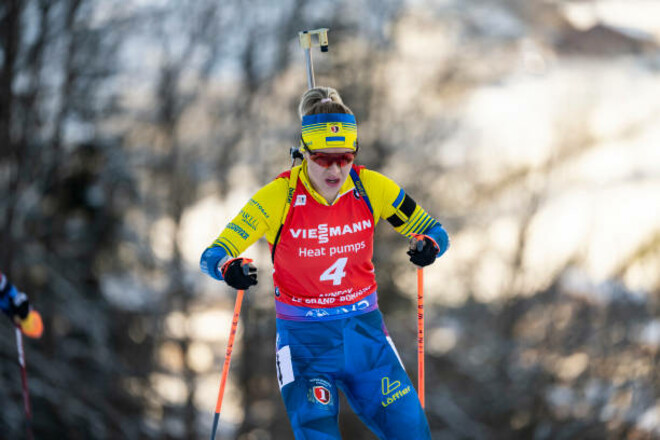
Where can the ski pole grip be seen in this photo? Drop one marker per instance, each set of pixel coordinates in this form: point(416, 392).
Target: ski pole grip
point(245, 266)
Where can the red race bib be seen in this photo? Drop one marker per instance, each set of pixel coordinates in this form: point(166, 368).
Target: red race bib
point(323, 258)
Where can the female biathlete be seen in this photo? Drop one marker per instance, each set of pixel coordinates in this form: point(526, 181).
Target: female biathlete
point(319, 220)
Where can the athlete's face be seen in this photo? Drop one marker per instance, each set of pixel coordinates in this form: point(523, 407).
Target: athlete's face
point(328, 180)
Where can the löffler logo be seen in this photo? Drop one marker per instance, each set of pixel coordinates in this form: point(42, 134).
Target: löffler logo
point(389, 388)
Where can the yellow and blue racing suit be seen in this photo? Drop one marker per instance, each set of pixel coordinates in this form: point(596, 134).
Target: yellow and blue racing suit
point(330, 333)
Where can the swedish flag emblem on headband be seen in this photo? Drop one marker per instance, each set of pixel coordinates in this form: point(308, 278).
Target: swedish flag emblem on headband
point(329, 130)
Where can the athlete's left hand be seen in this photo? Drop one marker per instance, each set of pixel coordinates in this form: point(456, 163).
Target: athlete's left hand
point(423, 250)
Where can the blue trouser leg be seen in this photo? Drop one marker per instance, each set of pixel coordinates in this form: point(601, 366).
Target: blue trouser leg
point(311, 418)
point(314, 358)
point(377, 386)
point(309, 357)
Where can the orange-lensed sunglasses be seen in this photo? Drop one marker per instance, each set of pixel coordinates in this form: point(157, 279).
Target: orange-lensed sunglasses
point(327, 159)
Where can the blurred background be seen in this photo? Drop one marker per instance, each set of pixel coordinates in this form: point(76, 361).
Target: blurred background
point(132, 131)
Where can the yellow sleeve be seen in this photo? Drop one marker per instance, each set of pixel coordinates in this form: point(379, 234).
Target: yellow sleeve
point(390, 202)
point(260, 216)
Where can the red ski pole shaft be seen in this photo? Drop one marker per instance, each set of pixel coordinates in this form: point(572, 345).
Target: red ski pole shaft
point(225, 367)
point(26, 392)
point(420, 334)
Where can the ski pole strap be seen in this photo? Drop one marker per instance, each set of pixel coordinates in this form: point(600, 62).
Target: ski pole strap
point(293, 181)
point(360, 189)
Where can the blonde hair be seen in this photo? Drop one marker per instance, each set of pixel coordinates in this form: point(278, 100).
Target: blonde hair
point(321, 100)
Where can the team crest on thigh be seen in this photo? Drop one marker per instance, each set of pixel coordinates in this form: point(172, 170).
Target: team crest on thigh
point(322, 394)
point(319, 392)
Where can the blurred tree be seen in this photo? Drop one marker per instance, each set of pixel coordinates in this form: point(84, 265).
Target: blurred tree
point(64, 189)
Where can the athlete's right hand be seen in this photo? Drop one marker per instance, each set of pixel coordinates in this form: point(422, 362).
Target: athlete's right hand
point(239, 273)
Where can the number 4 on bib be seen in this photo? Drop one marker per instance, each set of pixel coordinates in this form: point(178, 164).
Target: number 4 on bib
point(335, 272)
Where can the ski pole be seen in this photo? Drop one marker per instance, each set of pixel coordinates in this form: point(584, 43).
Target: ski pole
point(307, 42)
point(225, 367)
point(420, 334)
point(419, 245)
point(26, 393)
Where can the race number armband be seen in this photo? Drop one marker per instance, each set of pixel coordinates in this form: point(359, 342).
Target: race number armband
point(405, 207)
point(409, 218)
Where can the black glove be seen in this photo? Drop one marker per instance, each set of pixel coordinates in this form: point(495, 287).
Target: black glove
point(239, 273)
point(423, 250)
